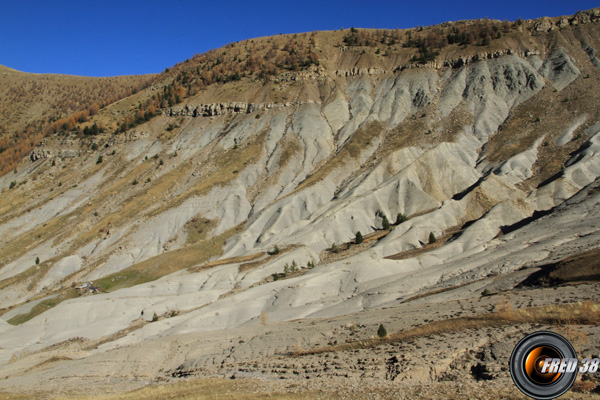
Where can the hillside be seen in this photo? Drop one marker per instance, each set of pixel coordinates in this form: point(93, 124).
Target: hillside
point(212, 228)
point(32, 104)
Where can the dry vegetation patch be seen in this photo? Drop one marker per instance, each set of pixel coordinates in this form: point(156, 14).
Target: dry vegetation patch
point(202, 389)
point(582, 313)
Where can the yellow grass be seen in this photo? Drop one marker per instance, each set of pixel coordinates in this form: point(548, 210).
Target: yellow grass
point(167, 263)
point(200, 389)
point(560, 315)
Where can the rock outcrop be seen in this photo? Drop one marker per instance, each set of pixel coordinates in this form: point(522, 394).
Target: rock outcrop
point(214, 109)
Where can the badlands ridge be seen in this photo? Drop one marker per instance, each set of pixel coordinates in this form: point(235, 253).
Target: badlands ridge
point(189, 221)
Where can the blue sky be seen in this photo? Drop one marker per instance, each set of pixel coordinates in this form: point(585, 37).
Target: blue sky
point(106, 38)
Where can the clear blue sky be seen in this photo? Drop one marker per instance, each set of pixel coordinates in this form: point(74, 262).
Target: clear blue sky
point(108, 37)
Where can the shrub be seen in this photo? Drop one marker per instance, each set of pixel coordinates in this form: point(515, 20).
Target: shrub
point(94, 146)
point(335, 248)
point(99, 160)
point(275, 250)
point(400, 218)
point(12, 184)
point(135, 182)
point(294, 266)
point(286, 269)
point(37, 260)
point(359, 238)
point(486, 292)
point(154, 318)
point(382, 332)
point(432, 238)
point(386, 223)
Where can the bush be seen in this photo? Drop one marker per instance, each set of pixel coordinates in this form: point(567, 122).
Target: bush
point(335, 248)
point(37, 260)
point(286, 269)
point(486, 292)
point(99, 160)
point(12, 184)
point(359, 238)
point(386, 223)
point(400, 218)
point(94, 146)
point(432, 238)
point(275, 250)
point(154, 318)
point(135, 182)
point(294, 266)
point(382, 332)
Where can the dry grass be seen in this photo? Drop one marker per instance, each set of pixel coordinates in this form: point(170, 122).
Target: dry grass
point(198, 228)
point(440, 241)
point(200, 389)
point(231, 260)
point(264, 318)
point(167, 263)
point(559, 315)
point(44, 306)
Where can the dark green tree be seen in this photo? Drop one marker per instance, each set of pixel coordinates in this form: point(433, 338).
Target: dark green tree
point(382, 332)
point(400, 218)
point(359, 238)
point(386, 223)
point(432, 238)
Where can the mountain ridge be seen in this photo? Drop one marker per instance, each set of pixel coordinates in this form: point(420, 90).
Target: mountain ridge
point(215, 215)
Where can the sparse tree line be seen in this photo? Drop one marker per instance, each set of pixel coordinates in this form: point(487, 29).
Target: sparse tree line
point(290, 269)
point(258, 59)
point(429, 41)
point(74, 107)
point(385, 225)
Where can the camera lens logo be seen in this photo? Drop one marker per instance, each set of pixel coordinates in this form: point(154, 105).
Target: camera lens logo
point(541, 365)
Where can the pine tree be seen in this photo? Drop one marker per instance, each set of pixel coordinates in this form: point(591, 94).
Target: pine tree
point(359, 238)
point(400, 218)
point(386, 223)
point(382, 332)
point(432, 238)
